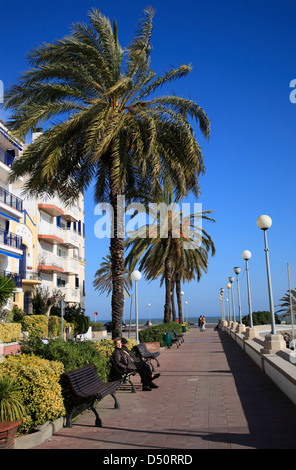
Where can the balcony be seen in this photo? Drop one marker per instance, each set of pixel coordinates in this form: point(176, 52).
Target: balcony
point(53, 239)
point(51, 234)
point(71, 239)
point(71, 295)
point(16, 277)
point(50, 265)
point(11, 205)
point(51, 209)
point(31, 277)
point(10, 244)
point(6, 160)
point(71, 266)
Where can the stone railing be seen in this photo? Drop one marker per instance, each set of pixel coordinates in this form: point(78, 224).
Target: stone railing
point(269, 352)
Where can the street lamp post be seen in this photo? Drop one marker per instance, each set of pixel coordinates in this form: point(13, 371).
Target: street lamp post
point(237, 270)
point(231, 279)
point(136, 276)
point(222, 304)
point(227, 302)
point(149, 305)
point(264, 223)
point(246, 255)
point(273, 342)
point(182, 294)
point(228, 285)
point(186, 310)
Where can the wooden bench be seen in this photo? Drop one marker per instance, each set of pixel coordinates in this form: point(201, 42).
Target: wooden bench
point(179, 335)
point(146, 355)
point(117, 374)
point(87, 388)
point(176, 340)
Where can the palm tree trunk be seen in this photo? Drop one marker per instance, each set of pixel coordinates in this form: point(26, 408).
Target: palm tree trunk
point(168, 288)
point(117, 258)
point(174, 313)
point(179, 299)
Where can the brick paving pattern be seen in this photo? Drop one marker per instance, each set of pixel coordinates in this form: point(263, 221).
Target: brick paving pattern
point(210, 396)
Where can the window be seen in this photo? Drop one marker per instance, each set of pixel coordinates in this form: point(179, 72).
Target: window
point(61, 282)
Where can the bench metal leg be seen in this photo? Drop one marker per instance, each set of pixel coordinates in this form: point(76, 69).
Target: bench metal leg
point(133, 387)
point(116, 404)
point(152, 366)
point(69, 420)
point(98, 422)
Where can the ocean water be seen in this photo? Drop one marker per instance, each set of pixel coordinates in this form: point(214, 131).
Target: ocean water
point(155, 321)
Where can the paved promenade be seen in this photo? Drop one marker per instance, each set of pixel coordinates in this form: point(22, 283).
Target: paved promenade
point(210, 396)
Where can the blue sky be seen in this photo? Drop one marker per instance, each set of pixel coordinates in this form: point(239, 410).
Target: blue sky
point(243, 58)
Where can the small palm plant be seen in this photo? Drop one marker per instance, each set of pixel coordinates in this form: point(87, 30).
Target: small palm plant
point(7, 286)
point(11, 406)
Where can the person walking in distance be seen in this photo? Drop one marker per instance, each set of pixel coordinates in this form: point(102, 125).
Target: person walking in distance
point(202, 323)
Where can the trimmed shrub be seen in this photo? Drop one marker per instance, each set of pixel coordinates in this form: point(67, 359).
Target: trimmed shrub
point(10, 332)
point(96, 326)
point(55, 326)
point(157, 332)
point(36, 325)
point(40, 391)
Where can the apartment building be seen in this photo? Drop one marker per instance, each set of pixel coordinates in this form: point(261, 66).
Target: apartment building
point(60, 248)
point(48, 237)
point(11, 212)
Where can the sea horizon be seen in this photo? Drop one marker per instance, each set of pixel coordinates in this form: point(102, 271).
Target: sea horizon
point(155, 321)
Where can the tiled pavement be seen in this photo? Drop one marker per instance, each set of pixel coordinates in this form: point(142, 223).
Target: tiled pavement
point(210, 396)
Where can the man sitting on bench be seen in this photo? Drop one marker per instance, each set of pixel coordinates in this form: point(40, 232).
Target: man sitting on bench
point(127, 362)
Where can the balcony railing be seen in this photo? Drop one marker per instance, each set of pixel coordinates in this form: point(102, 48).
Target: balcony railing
point(31, 275)
point(16, 277)
point(10, 199)
point(10, 239)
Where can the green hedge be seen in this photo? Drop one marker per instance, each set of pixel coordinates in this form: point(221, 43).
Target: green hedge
point(157, 332)
point(72, 354)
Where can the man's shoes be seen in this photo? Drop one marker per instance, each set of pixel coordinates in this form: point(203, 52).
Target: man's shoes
point(155, 376)
point(146, 389)
point(153, 385)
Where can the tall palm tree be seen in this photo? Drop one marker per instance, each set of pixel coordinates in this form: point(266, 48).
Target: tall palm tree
point(190, 266)
point(173, 245)
point(103, 277)
point(108, 123)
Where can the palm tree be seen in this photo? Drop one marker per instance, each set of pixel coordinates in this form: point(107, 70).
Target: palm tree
point(285, 305)
point(103, 277)
point(7, 286)
point(108, 123)
point(173, 247)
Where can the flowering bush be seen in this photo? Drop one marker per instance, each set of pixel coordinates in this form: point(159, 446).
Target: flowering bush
point(40, 390)
point(10, 332)
point(36, 325)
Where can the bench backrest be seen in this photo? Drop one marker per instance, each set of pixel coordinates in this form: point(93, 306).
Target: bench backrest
point(142, 348)
point(85, 380)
